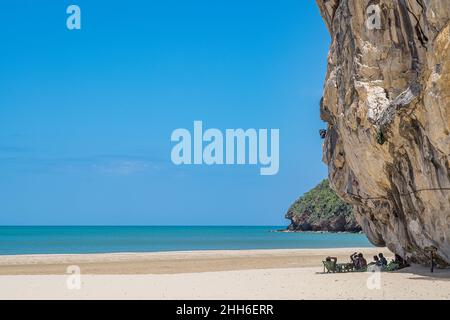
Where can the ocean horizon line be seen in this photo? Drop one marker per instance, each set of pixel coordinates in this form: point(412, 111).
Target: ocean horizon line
point(143, 225)
point(103, 239)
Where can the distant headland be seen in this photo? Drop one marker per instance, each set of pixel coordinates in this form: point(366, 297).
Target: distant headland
point(320, 209)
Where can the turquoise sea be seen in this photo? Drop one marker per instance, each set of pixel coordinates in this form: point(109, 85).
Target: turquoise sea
point(36, 240)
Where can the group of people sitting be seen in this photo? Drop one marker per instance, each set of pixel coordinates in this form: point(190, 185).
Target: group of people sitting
point(359, 263)
point(379, 261)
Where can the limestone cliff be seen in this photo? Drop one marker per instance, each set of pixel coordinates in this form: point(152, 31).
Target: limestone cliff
point(387, 104)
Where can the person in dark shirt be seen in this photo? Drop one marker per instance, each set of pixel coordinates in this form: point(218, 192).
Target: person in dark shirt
point(362, 261)
point(358, 261)
point(333, 260)
point(400, 262)
point(355, 260)
point(382, 259)
point(376, 261)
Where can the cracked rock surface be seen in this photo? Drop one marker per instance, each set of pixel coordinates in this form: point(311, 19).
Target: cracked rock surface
point(387, 104)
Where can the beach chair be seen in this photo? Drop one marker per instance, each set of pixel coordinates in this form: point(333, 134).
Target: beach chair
point(331, 267)
point(347, 267)
point(392, 266)
point(361, 270)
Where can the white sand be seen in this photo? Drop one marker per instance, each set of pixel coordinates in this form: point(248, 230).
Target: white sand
point(301, 283)
point(289, 282)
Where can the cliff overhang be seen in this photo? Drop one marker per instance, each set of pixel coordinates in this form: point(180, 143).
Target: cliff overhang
point(387, 104)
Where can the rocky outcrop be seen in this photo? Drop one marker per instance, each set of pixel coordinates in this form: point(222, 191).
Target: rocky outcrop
point(302, 223)
point(320, 209)
point(387, 104)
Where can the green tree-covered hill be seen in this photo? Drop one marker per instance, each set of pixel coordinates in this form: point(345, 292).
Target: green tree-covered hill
point(320, 209)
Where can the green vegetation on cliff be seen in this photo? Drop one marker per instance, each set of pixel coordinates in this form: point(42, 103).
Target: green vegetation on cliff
point(320, 209)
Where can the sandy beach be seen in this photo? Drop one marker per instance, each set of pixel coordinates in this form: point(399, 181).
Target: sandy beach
point(243, 274)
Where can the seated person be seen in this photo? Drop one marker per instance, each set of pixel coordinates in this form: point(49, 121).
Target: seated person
point(362, 262)
point(333, 260)
point(355, 259)
point(382, 259)
point(400, 262)
point(376, 262)
point(358, 261)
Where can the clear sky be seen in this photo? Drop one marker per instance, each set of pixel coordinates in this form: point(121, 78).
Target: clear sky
point(86, 115)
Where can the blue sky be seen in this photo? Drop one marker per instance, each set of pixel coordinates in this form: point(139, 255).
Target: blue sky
point(86, 115)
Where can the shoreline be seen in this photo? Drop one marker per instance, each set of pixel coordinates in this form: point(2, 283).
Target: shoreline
point(175, 252)
point(171, 262)
point(319, 232)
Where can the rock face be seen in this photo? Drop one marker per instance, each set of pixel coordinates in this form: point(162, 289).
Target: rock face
point(387, 104)
point(320, 209)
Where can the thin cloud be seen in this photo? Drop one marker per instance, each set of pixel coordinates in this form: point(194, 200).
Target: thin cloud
point(99, 164)
point(124, 167)
point(14, 149)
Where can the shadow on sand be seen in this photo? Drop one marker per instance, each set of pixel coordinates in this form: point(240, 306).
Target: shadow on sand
point(424, 273)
